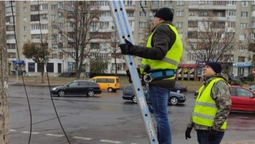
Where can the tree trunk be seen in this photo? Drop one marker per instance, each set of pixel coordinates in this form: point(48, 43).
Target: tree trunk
point(77, 69)
point(115, 61)
point(42, 72)
point(4, 100)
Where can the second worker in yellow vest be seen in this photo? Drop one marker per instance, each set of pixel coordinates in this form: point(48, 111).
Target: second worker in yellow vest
point(212, 107)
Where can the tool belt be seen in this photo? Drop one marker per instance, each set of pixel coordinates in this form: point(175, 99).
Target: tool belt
point(158, 75)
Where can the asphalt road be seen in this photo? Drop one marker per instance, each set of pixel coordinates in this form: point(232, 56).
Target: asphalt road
point(103, 119)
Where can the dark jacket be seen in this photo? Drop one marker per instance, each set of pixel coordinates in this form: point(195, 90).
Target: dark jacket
point(162, 41)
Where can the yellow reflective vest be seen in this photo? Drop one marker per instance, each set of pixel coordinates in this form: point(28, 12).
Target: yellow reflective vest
point(172, 58)
point(205, 108)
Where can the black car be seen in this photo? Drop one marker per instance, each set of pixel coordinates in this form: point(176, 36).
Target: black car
point(179, 88)
point(174, 98)
point(77, 88)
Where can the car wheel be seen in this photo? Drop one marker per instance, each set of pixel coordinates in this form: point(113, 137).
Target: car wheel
point(134, 99)
point(90, 93)
point(61, 93)
point(178, 91)
point(110, 89)
point(173, 101)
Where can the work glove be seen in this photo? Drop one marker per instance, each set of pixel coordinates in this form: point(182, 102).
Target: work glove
point(212, 135)
point(126, 48)
point(187, 133)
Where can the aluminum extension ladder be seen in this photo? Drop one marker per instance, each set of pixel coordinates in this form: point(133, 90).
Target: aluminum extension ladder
point(122, 24)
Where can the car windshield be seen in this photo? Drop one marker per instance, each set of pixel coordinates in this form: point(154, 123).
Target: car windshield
point(67, 84)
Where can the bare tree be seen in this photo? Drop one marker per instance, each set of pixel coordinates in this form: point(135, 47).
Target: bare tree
point(114, 42)
point(79, 16)
point(211, 40)
point(249, 43)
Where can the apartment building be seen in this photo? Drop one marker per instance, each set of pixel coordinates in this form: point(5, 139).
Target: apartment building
point(240, 14)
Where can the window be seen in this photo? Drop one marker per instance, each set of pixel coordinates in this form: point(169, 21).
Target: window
point(35, 17)
point(241, 36)
point(44, 7)
point(141, 35)
point(232, 24)
point(31, 67)
point(243, 25)
point(244, 14)
point(232, 2)
point(180, 3)
point(192, 24)
point(242, 48)
point(130, 14)
point(43, 16)
point(179, 24)
point(231, 13)
point(179, 13)
point(11, 55)
point(104, 25)
point(131, 23)
point(105, 13)
point(203, 13)
point(244, 3)
point(94, 45)
point(142, 14)
point(243, 92)
point(24, 9)
point(24, 19)
point(73, 84)
point(241, 59)
point(11, 46)
point(191, 34)
point(50, 67)
point(142, 24)
point(155, 2)
point(53, 7)
point(25, 28)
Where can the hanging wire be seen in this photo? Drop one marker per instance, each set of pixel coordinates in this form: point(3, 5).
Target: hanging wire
point(23, 81)
point(48, 79)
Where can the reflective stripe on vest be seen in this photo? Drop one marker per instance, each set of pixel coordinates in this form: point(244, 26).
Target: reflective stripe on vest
point(172, 58)
point(205, 108)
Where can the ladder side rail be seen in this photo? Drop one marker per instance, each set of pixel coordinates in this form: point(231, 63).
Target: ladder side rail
point(120, 19)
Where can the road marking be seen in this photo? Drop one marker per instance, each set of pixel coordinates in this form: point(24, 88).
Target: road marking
point(12, 130)
point(54, 135)
point(27, 132)
point(110, 141)
point(81, 138)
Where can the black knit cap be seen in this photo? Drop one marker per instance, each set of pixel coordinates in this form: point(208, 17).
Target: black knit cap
point(165, 14)
point(215, 66)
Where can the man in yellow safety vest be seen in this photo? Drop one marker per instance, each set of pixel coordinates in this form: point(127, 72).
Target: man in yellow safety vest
point(209, 117)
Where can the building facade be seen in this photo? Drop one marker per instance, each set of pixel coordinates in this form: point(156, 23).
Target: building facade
point(238, 16)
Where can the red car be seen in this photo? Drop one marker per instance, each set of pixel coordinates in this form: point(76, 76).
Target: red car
point(243, 99)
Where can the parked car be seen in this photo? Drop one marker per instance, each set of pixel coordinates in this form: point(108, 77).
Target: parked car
point(179, 88)
point(243, 99)
point(174, 98)
point(109, 83)
point(77, 88)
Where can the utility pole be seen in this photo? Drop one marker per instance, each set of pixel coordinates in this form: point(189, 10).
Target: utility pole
point(4, 100)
